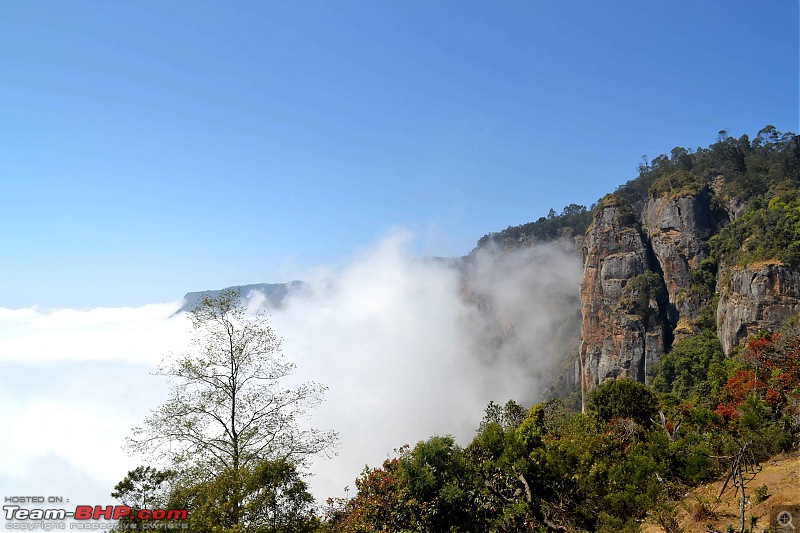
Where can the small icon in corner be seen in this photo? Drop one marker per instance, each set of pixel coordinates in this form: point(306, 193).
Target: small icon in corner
point(784, 518)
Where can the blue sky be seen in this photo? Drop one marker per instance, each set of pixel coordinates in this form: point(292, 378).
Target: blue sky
point(152, 148)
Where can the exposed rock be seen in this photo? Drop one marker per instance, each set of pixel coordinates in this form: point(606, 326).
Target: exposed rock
point(679, 229)
point(755, 297)
point(736, 208)
point(618, 339)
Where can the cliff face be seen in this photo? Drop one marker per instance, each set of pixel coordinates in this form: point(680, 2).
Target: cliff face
point(678, 229)
point(753, 298)
point(622, 330)
point(625, 330)
point(702, 241)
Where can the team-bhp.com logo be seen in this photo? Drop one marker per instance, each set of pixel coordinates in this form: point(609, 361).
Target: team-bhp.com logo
point(19, 518)
point(88, 512)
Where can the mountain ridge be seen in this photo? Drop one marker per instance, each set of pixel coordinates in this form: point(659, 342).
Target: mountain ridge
point(702, 240)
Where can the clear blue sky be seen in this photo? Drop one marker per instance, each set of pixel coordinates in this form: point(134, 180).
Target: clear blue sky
point(152, 148)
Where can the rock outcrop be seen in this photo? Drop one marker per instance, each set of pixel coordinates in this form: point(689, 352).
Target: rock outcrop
point(622, 331)
point(627, 323)
point(759, 296)
point(678, 229)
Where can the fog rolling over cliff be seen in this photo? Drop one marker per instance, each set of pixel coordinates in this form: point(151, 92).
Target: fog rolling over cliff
point(525, 313)
point(410, 348)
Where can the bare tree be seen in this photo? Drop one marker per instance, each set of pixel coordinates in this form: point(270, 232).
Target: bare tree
point(743, 470)
point(227, 410)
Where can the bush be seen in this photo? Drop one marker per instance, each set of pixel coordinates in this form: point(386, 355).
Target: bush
point(767, 231)
point(678, 183)
point(640, 290)
point(624, 398)
point(684, 370)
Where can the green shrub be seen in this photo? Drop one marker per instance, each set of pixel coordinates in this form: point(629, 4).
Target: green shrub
point(684, 370)
point(676, 184)
point(624, 398)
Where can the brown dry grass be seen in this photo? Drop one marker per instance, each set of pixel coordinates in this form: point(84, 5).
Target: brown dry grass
point(781, 475)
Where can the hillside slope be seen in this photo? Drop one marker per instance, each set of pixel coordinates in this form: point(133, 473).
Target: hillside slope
point(703, 507)
point(702, 240)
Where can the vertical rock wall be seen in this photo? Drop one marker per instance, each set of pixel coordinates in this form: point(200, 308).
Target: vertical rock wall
point(678, 229)
point(618, 339)
point(755, 297)
point(622, 338)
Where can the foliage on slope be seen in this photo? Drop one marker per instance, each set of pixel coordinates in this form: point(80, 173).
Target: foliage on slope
point(769, 230)
point(739, 168)
point(637, 449)
point(573, 220)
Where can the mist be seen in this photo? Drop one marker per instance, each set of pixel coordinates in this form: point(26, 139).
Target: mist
point(408, 348)
point(411, 348)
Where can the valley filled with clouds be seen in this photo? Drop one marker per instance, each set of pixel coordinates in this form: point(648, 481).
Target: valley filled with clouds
point(404, 355)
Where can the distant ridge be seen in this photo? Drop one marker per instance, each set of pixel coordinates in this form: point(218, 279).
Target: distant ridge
point(274, 294)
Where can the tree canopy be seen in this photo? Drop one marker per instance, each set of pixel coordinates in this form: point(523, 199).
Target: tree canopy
point(573, 220)
point(230, 431)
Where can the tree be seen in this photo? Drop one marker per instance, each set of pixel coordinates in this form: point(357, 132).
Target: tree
point(684, 370)
point(436, 474)
point(144, 487)
point(625, 398)
point(227, 413)
point(268, 497)
point(744, 468)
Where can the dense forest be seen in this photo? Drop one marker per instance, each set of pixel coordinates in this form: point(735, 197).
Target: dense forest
point(627, 457)
point(761, 174)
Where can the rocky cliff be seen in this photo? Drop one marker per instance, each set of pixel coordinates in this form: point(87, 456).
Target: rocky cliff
point(623, 331)
point(755, 297)
point(272, 293)
point(703, 241)
point(678, 229)
point(628, 324)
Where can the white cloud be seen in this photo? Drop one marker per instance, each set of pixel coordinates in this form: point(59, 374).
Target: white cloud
point(404, 357)
point(72, 385)
point(134, 334)
point(74, 415)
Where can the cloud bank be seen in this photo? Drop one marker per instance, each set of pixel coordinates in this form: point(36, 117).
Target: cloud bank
point(408, 348)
